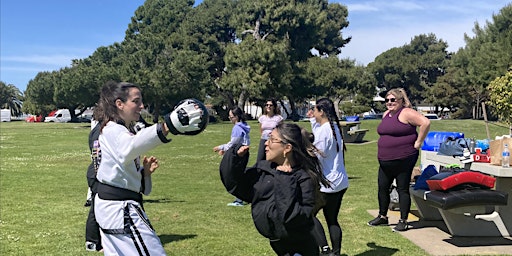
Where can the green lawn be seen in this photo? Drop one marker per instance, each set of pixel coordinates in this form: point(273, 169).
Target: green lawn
point(43, 189)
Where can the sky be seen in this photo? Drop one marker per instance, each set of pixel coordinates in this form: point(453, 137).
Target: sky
point(46, 35)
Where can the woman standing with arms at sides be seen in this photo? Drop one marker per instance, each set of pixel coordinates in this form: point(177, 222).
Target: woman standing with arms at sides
point(397, 151)
point(325, 127)
point(269, 120)
point(239, 135)
point(123, 175)
point(282, 189)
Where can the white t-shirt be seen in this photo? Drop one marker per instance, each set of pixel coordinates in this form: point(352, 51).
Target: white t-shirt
point(332, 162)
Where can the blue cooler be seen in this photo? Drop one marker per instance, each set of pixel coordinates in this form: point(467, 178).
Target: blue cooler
point(352, 118)
point(434, 138)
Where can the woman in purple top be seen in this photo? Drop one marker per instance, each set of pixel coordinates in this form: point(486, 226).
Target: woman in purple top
point(398, 150)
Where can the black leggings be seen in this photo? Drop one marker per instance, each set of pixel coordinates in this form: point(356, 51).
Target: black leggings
point(331, 209)
point(92, 228)
point(401, 170)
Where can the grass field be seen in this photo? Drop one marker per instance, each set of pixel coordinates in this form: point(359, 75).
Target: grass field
point(43, 188)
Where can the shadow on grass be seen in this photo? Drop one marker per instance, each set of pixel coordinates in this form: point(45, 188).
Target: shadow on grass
point(165, 239)
point(378, 250)
point(163, 200)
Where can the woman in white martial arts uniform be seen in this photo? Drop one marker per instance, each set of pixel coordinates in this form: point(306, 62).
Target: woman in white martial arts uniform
point(123, 176)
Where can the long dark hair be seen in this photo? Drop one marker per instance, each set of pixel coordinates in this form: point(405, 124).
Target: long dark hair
point(303, 151)
point(327, 106)
point(107, 110)
point(277, 110)
point(239, 113)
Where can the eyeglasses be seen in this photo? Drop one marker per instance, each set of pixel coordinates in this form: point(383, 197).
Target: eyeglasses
point(269, 105)
point(274, 140)
point(390, 100)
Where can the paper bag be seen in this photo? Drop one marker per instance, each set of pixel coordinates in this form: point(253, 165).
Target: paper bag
point(496, 148)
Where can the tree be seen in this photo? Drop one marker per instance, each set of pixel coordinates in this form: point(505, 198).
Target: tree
point(500, 97)
point(164, 71)
point(287, 32)
point(415, 66)
point(486, 56)
point(11, 98)
point(39, 94)
point(340, 80)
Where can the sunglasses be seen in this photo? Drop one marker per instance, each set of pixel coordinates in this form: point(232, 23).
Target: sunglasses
point(390, 100)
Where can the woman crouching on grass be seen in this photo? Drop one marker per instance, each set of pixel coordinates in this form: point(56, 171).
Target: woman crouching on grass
point(282, 189)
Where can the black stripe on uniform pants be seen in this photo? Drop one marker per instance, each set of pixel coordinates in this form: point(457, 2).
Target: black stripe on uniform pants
point(128, 222)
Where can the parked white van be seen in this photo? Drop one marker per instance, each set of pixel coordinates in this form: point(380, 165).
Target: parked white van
point(60, 116)
point(5, 115)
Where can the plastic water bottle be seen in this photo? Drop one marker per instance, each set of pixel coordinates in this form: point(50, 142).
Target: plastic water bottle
point(472, 144)
point(505, 157)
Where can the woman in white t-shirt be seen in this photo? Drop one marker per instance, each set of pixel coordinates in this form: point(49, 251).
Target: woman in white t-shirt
point(326, 128)
point(268, 121)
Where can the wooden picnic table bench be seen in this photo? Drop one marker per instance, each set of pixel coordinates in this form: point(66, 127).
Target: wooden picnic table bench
point(351, 132)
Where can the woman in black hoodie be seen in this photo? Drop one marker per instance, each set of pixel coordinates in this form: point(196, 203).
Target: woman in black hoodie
point(282, 189)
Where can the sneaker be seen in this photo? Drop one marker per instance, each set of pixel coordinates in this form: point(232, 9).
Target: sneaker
point(236, 203)
point(380, 220)
point(401, 226)
point(90, 246)
point(325, 251)
point(88, 203)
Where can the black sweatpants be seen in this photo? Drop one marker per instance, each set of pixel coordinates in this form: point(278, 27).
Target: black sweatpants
point(401, 171)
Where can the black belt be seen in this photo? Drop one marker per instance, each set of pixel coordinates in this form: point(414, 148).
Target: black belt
point(108, 192)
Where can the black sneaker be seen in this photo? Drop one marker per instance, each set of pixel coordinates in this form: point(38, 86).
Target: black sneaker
point(88, 203)
point(380, 220)
point(401, 226)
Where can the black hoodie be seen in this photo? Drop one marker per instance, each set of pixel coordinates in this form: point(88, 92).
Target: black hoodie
point(281, 202)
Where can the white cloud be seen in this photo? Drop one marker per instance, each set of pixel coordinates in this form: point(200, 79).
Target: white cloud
point(377, 26)
point(51, 60)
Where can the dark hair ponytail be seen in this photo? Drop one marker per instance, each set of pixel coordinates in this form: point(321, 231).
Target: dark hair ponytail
point(327, 106)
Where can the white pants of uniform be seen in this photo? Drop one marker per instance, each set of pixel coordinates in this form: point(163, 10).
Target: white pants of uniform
point(125, 229)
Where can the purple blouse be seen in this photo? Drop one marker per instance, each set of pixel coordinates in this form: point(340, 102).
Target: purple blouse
point(396, 139)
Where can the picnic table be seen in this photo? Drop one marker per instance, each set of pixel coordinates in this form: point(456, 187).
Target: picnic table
point(485, 220)
point(351, 131)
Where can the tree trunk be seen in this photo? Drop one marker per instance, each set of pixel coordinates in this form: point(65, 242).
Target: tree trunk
point(241, 99)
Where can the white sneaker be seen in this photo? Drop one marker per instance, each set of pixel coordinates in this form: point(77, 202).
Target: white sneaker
point(90, 246)
point(236, 203)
